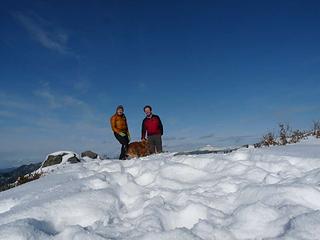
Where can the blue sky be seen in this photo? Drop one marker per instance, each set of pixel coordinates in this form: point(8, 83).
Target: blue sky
point(217, 72)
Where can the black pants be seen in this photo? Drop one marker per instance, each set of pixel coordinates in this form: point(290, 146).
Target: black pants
point(124, 141)
point(155, 144)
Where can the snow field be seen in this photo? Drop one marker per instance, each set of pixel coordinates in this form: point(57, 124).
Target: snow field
point(248, 194)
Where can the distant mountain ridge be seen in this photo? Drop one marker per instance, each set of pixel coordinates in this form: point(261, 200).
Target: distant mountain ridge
point(8, 176)
point(6, 170)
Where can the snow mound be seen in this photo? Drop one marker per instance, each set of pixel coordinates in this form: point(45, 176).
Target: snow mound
point(57, 159)
point(266, 193)
point(209, 148)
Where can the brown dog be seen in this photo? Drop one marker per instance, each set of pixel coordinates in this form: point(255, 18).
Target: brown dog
point(138, 149)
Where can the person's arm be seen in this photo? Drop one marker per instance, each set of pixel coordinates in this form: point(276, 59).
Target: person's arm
point(113, 124)
point(160, 126)
point(128, 133)
point(127, 127)
point(143, 130)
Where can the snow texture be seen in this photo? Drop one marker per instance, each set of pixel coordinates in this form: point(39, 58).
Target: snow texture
point(267, 193)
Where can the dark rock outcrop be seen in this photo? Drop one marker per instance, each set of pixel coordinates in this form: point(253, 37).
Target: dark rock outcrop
point(89, 154)
point(54, 159)
point(74, 159)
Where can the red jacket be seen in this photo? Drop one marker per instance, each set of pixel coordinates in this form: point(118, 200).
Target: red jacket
point(151, 126)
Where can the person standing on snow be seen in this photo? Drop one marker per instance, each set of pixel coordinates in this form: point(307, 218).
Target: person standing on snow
point(120, 129)
point(152, 126)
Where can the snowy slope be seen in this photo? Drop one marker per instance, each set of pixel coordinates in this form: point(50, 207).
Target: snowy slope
point(269, 193)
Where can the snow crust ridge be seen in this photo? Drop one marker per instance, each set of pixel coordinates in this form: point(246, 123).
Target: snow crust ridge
point(248, 194)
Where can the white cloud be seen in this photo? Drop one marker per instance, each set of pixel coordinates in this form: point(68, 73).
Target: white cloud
point(46, 105)
point(82, 86)
point(56, 121)
point(10, 102)
point(211, 135)
point(56, 100)
point(48, 96)
point(4, 113)
point(43, 32)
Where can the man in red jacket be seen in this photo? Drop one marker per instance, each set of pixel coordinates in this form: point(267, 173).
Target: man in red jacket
point(152, 126)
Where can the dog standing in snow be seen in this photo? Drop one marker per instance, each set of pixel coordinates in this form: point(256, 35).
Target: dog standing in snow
point(138, 149)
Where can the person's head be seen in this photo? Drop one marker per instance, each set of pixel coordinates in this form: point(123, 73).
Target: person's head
point(147, 110)
point(120, 110)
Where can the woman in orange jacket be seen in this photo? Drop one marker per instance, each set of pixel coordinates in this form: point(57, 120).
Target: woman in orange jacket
point(120, 129)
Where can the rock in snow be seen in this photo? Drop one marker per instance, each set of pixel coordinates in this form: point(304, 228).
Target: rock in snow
point(89, 154)
point(61, 157)
point(267, 193)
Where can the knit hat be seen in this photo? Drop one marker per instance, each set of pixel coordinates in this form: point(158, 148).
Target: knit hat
point(119, 107)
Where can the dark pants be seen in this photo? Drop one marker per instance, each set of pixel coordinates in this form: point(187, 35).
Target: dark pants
point(124, 141)
point(155, 144)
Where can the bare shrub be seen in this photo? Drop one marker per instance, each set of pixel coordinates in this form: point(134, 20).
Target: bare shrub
point(316, 128)
point(296, 136)
point(307, 134)
point(257, 145)
point(283, 133)
point(286, 135)
point(268, 140)
point(28, 178)
point(6, 187)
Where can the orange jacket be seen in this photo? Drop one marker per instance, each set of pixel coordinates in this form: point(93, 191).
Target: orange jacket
point(119, 124)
